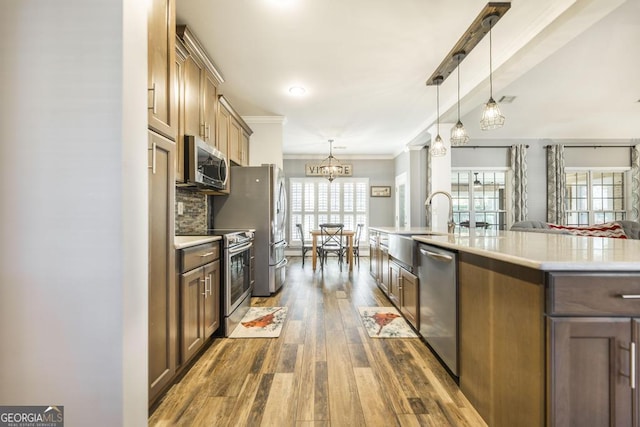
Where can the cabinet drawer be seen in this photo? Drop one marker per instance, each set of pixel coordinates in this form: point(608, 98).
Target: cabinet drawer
point(593, 294)
point(196, 256)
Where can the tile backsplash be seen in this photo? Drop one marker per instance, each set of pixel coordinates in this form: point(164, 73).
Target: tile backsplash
point(194, 217)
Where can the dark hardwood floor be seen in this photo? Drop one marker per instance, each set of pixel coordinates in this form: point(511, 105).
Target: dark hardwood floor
point(323, 370)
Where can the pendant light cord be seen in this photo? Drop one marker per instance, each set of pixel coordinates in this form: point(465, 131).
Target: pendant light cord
point(438, 107)
point(458, 67)
point(490, 63)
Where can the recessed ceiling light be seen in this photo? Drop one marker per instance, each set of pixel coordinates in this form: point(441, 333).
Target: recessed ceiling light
point(297, 90)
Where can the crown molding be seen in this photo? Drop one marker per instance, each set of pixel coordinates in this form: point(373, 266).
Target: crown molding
point(266, 119)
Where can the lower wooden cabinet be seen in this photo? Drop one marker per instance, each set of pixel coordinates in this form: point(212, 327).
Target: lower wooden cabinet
point(593, 329)
point(162, 291)
point(591, 371)
point(393, 287)
point(374, 247)
point(199, 299)
point(409, 297)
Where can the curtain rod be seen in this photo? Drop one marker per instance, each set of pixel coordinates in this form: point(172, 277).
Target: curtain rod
point(485, 146)
point(595, 146)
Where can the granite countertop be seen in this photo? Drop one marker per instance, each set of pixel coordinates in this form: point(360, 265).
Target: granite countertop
point(181, 242)
point(542, 251)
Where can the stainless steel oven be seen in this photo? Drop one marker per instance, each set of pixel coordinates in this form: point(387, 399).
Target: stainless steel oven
point(238, 276)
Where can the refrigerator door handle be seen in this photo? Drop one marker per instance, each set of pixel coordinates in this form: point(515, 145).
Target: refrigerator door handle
point(282, 244)
point(282, 263)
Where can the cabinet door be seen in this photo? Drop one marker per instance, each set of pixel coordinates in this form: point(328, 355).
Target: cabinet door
point(244, 149)
point(192, 91)
point(192, 316)
point(590, 365)
point(394, 284)
point(211, 298)
point(209, 101)
point(161, 67)
point(409, 297)
point(373, 255)
point(179, 102)
point(162, 295)
point(636, 395)
point(235, 135)
point(384, 268)
point(222, 141)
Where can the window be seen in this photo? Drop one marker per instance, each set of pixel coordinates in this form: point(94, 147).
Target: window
point(315, 201)
point(594, 197)
point(479, 199)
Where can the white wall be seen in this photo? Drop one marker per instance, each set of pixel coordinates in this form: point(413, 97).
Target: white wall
point(379, 172)
point(73, 270)
point(266, 141)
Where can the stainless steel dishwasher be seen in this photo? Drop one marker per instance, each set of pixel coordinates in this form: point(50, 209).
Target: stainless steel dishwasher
point(439, 302)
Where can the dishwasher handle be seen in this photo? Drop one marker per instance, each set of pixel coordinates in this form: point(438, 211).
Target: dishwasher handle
point(439, 257)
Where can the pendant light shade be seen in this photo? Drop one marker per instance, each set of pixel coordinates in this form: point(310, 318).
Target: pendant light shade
point(331, 167)
point(459, 134)
point(438, 148)
point(492, 118)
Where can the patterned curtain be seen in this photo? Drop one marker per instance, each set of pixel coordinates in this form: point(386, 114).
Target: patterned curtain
point(556, 184)
point(635, 183)
point(519, 210)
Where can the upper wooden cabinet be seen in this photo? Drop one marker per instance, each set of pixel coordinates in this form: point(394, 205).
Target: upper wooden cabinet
point(193, 79)
point(161, 67)
point(201, 81)
point(209, 101)
point(237, 131)
point(181, 57)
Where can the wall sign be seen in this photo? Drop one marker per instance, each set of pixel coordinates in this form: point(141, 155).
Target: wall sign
point(380, 191)
point(313, 169)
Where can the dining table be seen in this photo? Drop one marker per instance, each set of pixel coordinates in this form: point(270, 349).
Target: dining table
point(314, 243)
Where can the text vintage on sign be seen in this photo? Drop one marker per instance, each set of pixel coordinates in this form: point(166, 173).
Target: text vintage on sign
point(313, 169)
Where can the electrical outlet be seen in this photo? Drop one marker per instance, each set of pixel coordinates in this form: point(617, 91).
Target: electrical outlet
point(180, 208)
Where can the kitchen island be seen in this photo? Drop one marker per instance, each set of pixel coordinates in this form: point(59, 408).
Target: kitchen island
point(548, 326)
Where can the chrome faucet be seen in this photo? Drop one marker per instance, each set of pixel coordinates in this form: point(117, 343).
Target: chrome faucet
point(450, 224)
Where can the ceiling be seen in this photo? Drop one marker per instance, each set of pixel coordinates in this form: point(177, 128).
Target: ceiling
point(571, 64)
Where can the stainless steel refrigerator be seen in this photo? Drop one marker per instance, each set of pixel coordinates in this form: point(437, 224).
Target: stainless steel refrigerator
point(258, 200)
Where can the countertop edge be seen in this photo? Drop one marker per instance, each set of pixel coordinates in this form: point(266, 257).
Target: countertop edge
point(543, 265)
point(181, 242)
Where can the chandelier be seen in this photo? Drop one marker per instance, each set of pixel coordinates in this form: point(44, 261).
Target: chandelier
point(331, 167)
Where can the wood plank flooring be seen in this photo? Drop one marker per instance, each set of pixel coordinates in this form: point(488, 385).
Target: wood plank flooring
point(323, 370)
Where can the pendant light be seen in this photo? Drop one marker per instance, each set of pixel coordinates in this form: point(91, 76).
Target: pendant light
point(477, 185)
point(492, 118)
point(331, 167)
point(459, 134)
point(437, 148)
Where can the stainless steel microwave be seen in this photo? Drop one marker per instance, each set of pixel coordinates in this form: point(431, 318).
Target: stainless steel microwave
point(204, 166)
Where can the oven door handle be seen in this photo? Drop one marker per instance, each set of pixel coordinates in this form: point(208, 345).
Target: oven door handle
point(233, 251)
point(282, 263)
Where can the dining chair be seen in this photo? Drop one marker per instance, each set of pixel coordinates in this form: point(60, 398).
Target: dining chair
point(331, 241)
point(305, 247)
point(356, 243)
